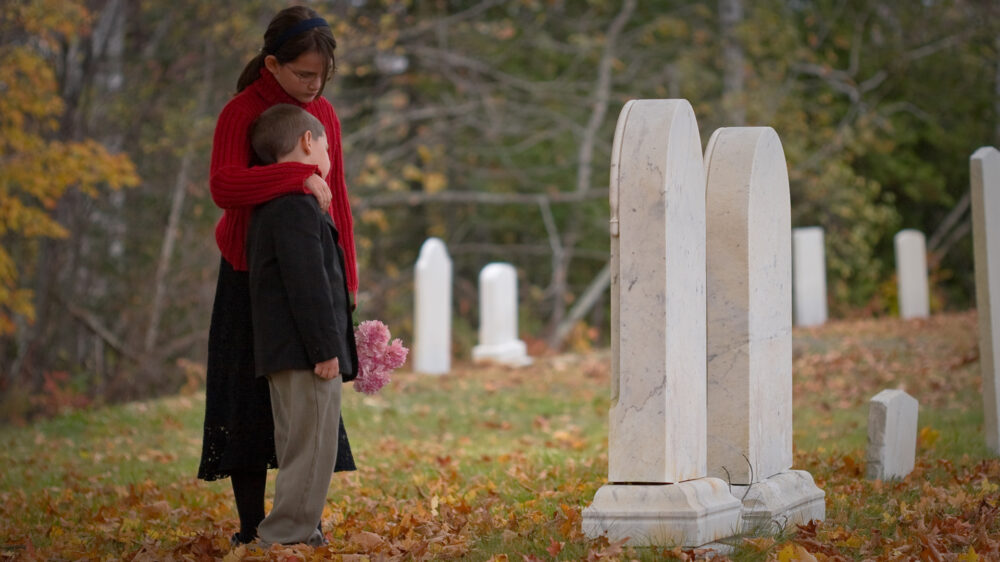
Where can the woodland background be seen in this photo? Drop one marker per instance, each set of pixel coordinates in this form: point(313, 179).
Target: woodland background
point(487, 123)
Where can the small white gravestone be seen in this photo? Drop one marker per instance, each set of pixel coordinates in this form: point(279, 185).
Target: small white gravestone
point(911, 274)
point(658, 492)
point(985, 175)
point(432, 309)
point(809, 276)
point(892, 435)
point(749, 351)
point(498, 340)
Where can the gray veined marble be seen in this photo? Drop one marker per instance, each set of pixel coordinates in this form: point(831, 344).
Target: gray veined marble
point(892, 435)
point(749, 281)
point(658, 491)
point(985, 175)
point(749, 344)
point(657, 427)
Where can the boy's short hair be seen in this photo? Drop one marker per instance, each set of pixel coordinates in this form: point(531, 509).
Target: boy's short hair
point(278, 128)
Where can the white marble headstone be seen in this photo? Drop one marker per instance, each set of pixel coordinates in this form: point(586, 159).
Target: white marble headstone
point(749, 305)
point(432, 309)
point(809, 276)
point(498, 341)
point(911, 274)
point(985, 175)
point(658, 493)
point(657, 424)
point(750, 330)
point(892, 435)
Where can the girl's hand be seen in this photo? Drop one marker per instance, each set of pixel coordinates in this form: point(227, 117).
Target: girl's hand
point(328, 369)
point(318, 187)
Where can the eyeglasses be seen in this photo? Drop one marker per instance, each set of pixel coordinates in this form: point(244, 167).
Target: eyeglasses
point(304, 77)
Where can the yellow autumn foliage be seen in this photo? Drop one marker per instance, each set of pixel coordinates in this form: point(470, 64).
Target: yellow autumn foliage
point(36, 168)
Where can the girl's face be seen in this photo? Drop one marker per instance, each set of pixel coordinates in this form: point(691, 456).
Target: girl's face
point(301, 78)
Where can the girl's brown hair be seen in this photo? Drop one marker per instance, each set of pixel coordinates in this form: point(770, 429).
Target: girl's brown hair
point(319, 39)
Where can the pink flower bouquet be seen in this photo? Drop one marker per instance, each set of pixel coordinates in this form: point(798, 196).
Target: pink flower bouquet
point(377, 358)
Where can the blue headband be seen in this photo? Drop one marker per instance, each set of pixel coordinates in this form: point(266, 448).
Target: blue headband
point(303, 25)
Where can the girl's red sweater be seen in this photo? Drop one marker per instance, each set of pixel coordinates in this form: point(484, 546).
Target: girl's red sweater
point(237, 187)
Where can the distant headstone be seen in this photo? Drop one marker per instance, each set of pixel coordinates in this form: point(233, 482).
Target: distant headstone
point(809, 276)
point(432, 296)
point(658, 492)
point(749, 291)
point(911, 274)
point(498, 340)
point(892, 435)
point(985, 175)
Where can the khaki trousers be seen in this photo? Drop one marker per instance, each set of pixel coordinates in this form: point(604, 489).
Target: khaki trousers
point(306, 423)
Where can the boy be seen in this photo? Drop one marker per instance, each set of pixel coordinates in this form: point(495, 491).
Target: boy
point(303, 336)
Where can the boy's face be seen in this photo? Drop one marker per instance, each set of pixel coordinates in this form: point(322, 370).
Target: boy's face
point(320, 155)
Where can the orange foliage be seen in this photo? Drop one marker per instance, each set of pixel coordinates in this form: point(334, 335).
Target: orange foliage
point(424, 496)
point(37, 169)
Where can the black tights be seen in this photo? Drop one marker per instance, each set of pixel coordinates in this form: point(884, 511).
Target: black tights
point(248, 488)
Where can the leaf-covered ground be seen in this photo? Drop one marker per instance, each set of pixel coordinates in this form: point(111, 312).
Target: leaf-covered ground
point(489, 463)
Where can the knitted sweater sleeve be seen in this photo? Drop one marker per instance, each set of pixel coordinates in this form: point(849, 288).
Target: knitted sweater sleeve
point(233, 182)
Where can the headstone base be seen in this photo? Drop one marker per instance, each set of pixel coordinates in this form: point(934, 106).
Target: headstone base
point(785, 499)
point(512, 353)
point(689, 514)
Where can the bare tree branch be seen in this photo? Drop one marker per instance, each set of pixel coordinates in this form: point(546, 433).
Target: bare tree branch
point(95, 326)
point(408, 117)
point(521, 249)
point(602, 91)
point(949, 222)
point(939, 45)
point(590, 297)
point(478, 197)
point(468, 14)
point(954, 236)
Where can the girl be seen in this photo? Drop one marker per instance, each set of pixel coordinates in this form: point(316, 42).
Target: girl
point(292, 67)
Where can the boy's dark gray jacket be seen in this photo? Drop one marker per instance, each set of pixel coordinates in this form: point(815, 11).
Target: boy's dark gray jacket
point(298, 293)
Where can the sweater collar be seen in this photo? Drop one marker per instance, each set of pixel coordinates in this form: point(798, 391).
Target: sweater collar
point(271, 91)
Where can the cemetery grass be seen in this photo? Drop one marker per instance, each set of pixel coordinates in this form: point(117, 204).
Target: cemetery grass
point(490, 463)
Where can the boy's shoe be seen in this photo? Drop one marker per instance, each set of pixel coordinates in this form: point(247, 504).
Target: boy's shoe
point(319, 528)
point(237, 540)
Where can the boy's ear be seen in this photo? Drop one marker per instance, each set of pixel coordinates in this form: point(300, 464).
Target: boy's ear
point(307, 142)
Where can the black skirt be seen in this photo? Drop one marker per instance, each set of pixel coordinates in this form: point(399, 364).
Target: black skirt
point(239, 427)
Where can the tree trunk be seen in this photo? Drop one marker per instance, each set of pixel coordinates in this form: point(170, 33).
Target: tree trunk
point(599, 110)
point(176, 208)
point(730, 17)
point(996, 95)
